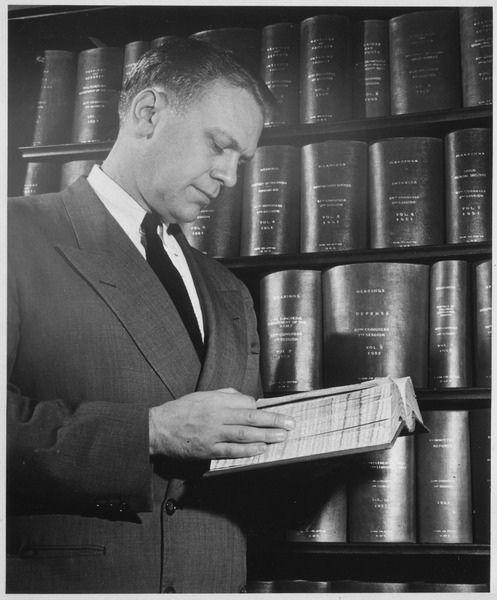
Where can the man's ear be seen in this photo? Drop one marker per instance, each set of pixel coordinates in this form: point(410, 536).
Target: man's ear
point(144, 111)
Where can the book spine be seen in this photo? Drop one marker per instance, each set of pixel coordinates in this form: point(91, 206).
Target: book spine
point(334, 196)
point(132, 54)
point(371, 69)
point(320, 516)
point(164, 39)
point(375, 319)
point(382, 496)
point(444, 479)
point(98, 84)
point(476, 34)
point(483, 323)
point(367, 587)
point(449, 327)
point(243, 42)
point(302, 586)
point(424, 61)
point(271, 202)
point(54, 109)
point(280, 55)
point(325, 59)
point(480, 441)
point(259, 586)
point(406, 192)
point(41, 178)
point(447, 588)
point(216, 231)
point(73, 169)
point(468, 188)
point(290, 329)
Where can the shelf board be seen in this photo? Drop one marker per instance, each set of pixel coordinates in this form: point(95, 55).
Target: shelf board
point(281, 547)
point(319, 260)
point(300, 134)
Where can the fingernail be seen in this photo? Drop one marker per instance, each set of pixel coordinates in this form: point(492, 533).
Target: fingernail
point(281, 436)
point(289, 423)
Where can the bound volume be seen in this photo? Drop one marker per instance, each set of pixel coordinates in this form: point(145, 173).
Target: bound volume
point(372, 314)
point(424, 61)
point(468, 187)
point(371, 69)
point(243, 42)
point(336, 422)
point(406, 192)
point(280, 47)
point(483, 323)
point(475, 23)
point(334, 196)
point(325, 85)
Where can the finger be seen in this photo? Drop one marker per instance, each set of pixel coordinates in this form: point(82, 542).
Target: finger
point(248, 435)
point(233, 450)
point(265, 418)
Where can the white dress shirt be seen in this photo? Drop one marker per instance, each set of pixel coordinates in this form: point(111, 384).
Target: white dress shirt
point(129, 214)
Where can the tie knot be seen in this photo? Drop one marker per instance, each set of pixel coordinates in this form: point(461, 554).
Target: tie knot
point(150, 223)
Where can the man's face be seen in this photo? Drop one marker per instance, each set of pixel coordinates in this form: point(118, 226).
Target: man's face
point(190, 156)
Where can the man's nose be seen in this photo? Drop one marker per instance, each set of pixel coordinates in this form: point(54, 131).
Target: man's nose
point(226, 170)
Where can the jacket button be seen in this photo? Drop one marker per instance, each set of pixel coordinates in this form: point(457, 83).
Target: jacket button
point(170, 590)
point(170, 506)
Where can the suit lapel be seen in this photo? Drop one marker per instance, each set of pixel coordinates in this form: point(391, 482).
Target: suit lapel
point(115, 269)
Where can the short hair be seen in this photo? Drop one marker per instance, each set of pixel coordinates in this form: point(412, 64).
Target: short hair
point(185, 69)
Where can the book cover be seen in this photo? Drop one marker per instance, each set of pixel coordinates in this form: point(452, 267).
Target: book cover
point(371, 69)
point(73, 169)
point(425, 61)
point(325, 65)
point(271, 202)
point(280, 70)
point(54, 109)
point(290, 331)
point(132, 54)
point(98, 84)
point(156, 42)
point(468, 185)
point(476, 35)
point(444, 479)
point(375, 318)
point(41, 178)
point(406, 179)
point(382, 496)
point(450, 334)
point(480, 436)
point(482, 282)
point(334, 207)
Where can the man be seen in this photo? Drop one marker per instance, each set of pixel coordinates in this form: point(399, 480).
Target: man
point(116, 402)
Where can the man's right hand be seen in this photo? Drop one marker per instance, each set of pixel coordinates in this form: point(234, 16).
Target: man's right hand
point(218, 424)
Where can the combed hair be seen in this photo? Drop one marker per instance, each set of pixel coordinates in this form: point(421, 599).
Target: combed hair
point(185, 69)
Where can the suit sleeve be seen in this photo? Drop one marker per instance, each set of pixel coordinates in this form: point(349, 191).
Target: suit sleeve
point(72, 455)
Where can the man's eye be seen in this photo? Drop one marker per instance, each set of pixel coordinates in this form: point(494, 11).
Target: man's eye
point(218, 149)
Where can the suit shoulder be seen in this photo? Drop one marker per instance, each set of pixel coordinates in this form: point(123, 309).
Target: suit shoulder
point(218, 271)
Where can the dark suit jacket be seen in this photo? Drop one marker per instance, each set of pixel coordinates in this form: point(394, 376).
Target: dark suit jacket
point(93, 342)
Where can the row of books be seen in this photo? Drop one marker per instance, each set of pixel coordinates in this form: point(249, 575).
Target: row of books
point(339, 195)
point(428, 488)
point(356, 322)
point(417, 62)
point(307, 586)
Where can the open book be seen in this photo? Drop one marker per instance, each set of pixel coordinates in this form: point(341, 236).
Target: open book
point(336, 422)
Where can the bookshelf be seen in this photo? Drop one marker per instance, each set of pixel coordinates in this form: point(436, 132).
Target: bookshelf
point(33, 29)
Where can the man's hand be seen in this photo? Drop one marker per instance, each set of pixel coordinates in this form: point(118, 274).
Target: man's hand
point(218, 424)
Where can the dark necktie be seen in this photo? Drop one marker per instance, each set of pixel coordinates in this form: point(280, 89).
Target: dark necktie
point(171, 279)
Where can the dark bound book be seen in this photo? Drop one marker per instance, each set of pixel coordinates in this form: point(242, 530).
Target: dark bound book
point(447, 588)
point(216, 231)
point(320, 516)
point(371, 69)
point(367, 587)
point(155, 43)
point(382, 498)
point(476, 29)
point(257, 586)
point(424, 61)
point(302, 586)
point(98, 84)
point(334, 196)
point(444, 479)
point(74, 169)
point(375, 319)
point(132, 54)
point(290, 329)
point(482, 282)
point(54, 109)
point(243, 42)
point(280, 56)
point(468, 185)
point(406, 192)
point(450, 358)
point(480, 443)
point(271, 202)
point(41, 178)
point(325, 60)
